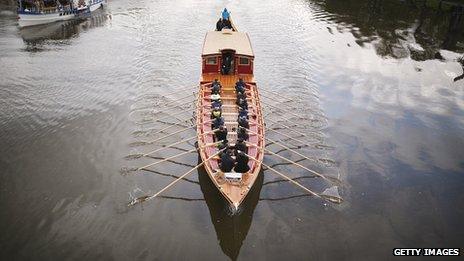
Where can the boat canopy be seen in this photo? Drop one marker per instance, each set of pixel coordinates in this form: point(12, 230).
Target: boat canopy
point(216, 41)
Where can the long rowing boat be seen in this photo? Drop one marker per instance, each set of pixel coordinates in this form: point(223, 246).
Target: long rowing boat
point(228, 56)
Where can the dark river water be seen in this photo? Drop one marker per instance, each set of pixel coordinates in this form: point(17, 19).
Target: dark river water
point(375, 86)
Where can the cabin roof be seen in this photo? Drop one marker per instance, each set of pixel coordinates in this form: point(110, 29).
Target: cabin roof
point(216, 41)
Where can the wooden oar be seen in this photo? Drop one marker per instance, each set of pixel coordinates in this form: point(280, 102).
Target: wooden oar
point(146, 198)
point(151, 106)
point(321, 196)
point(280, 95)
point(164, 137)
point(135, 156)
point(291, 161)
point(292, 129)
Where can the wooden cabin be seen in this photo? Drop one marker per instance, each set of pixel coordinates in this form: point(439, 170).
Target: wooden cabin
point(227, 53)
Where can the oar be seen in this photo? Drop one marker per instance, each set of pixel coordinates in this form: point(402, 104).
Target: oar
point(146, 198)
point(151, 107)
point(139, 143)
point(177, 155)
point(136, 156)
point(321, 196)
point(292, 129)
point(291, 161)
point(171, 125)
point(280, 95)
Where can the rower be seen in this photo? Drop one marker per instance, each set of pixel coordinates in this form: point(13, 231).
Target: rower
point(240, 86)
point(242, 133)
point(221, 133)
point(216, 113)
point(215, 97)
point(215, 89)
point(242, 163)
point(240, 145)
point(216, 104)
point(222, 145)
point(219, 25)
point(242, 112)
point(242, 103)
point(243, 122)
point(227, 24)
point(218, 122)
point(227, 162)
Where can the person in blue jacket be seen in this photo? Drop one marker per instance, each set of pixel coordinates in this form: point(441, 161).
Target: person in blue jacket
point(225, 14)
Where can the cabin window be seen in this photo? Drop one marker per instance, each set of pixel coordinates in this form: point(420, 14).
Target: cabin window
point(244, 61)
point(211, 60)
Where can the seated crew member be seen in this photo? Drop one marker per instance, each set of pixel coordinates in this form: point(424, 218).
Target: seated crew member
point(216, 82)
point(242, 133)
point(219, 24)
point(240, 145)
point(216, 104)
point(218, 122)
point(221, 133)
point(223, 144)
point(215, 97)
point(243, 122)
point(242, 112)
point(216, 113)
point(240, 86)
point(242, 163)
point(227, 162)
point(227, 24)
point(215, 89)
point(240, 96)
point(242, 103)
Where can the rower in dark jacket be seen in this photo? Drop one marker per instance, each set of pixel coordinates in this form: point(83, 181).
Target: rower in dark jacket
point(242, 112)
point(218, 122)
point(219, 24)
point(242, 133)
point(221, 133)
point(243, 122)
point(242, 163)
point(227, 162)
point(242, 103)
point(240, 145)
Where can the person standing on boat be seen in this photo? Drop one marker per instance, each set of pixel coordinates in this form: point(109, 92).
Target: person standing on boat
point(225, 14)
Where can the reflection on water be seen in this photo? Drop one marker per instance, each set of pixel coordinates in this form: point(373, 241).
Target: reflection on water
point(416, 28)
point(376, 87)
point(231, 230)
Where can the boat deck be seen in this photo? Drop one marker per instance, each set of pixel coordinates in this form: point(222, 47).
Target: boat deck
point(235, 192)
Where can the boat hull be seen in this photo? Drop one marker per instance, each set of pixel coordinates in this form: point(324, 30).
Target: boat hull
point(234, 192)
point(31, 19)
